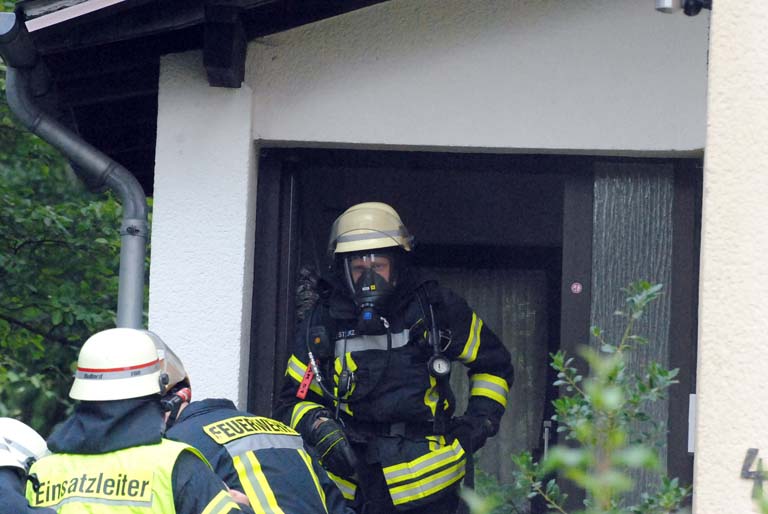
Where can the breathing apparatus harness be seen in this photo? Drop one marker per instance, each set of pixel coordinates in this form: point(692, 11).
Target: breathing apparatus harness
point(438, 365)
point(318, 335)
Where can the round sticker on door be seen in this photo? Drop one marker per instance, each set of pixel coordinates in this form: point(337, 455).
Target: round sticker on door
point(576, 287)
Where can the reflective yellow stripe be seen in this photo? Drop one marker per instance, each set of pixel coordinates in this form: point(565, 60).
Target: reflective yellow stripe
point(471, 347)
point(296, 370)
point(490, 386)
point(347, 488)
point(256, 487)
point(424, 465)
point(352, 367)
point(300, 410)
point(427, 486)
point(433, 473)
point(221, 504)
point(308, 462)
point(431, 396)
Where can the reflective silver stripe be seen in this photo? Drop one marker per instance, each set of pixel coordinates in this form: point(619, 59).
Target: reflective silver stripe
point(469, 353)
point(222, 501)
point(344, 238)
point(444, 456)
point(348, 489)
point(257, 442)
point(425, 488)
point(366, 342)
point(295, 367)
point(102, 501)
point(255, 484)
point(485, 384)
point(108, 374)
point(300, 410)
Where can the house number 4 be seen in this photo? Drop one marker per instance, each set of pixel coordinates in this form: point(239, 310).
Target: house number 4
point(758, 475)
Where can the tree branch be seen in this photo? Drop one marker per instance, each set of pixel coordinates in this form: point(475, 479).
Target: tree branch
point(38, 331)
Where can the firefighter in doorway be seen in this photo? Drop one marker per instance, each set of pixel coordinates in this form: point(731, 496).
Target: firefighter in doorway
point(109, 456)
point(20, 446)
point(260, 456)
point(367, 383)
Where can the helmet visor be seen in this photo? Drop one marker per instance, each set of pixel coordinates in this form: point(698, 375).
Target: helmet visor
point(170, 365)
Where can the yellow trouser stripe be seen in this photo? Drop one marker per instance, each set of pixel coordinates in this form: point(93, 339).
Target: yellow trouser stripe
point(256, 487)
point(424, 464)
point(490, 386)
point(471, 347)
point(221, 504)
point(300, 410)
point(428, 486)
point(347, 488)
point(296, 370)
point(308, 462)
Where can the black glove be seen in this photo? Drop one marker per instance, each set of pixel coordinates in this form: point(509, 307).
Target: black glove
point(336, 454)
point(472, 431)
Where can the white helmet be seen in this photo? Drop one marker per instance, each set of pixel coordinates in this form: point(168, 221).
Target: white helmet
point(368, 226)
point(117, 364)
point(20, 445)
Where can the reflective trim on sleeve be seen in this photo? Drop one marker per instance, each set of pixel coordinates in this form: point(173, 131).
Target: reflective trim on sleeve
point(433, 473)
point(308, 462)
point(222, 503)
point(296, 370)
point(348, 489)
point(471, 347)
point(490, 386)
point(300, 410)
point(254, 482)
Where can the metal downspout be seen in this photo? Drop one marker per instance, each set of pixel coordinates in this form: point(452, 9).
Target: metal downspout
point(24, 69)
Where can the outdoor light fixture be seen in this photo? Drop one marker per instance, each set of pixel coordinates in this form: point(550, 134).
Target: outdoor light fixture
point(689, 7)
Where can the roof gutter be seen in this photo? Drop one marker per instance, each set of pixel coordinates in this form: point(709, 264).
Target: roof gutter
point(27, 77)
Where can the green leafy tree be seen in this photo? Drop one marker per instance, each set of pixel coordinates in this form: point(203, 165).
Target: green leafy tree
point(608, 432)
point(59, 260)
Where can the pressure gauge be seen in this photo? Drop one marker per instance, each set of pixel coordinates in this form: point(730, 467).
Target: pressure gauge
point(439, 366)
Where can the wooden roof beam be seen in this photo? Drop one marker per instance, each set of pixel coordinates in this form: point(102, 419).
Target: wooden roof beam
point(224, 45)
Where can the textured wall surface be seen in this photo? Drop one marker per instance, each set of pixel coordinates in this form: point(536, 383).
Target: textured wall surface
point(502, 74)
point(733, 327)
point(202, 229)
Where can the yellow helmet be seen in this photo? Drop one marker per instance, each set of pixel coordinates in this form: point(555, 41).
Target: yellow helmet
point(20, 445)
point(117, 364)
point(368, 226)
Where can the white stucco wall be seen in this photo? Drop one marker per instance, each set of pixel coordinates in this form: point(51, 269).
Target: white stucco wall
point(502, 75)
point(557, 75)
point(202, 227)
point(732, 410)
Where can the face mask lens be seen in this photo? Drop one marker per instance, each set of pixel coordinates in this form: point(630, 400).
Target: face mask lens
point(364, 270)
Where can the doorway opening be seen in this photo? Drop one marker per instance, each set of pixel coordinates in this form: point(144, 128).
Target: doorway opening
point(513, 235)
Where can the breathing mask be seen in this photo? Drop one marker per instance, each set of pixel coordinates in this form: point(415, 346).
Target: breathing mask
point(370, 277)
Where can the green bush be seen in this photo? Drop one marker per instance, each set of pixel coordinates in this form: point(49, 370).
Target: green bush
point(607, 430)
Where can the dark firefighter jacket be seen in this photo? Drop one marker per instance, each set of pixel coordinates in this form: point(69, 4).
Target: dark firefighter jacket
point(98, 428)
point(12, 499)
point(393, 399)
point(259, 456)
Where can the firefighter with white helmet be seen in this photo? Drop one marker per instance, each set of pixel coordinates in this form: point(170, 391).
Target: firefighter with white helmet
point(367, 383)
point(285, 478)
point(109, 456)
point(20, 446)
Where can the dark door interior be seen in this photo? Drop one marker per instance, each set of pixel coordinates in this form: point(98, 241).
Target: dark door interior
point(511, 233)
